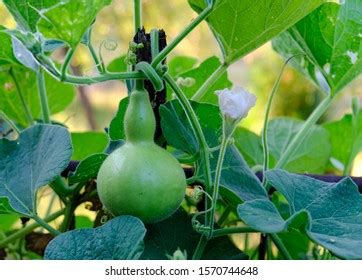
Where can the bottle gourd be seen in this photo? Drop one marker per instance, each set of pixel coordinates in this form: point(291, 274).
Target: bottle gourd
point(140, 178)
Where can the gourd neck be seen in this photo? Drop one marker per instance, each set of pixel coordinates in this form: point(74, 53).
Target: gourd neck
point(140, 123)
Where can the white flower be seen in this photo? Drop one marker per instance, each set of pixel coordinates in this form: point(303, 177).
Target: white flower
point(235, 103)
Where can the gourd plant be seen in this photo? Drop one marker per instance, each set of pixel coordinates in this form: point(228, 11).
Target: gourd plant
point(141, 183)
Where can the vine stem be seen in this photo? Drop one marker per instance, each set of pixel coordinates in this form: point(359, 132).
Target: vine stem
point(93, 53)
point(10, 122)
point(45, 225)
point(137, 15)
point(28, 229)
point(66, 63)
point(204, 150)
point(220, 162)
point(266, 120)
point(281, 247)
point(21, 96)
point(103, 78)
point(43, 96)
point(164, 53)
point(210, 82)
point(232, 230)
point(303, 132)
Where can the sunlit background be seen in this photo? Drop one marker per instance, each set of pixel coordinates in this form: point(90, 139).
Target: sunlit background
point(257, 72)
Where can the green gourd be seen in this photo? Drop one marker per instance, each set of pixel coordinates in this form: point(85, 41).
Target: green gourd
point(140, 178)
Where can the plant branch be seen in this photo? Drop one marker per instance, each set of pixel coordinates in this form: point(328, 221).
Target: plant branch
point(95, 58)
point(303, 132)
point(43, 97)
point(137, 15)
point(165, 52)
point(66, 63)
point(281, 247)
point(266, 120)
point(203, 147)
point(45, 225)
point(28, 229)
point(232, 230)
point(21, 96)
point(210, 82)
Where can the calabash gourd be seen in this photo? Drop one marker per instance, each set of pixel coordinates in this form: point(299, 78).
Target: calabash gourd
point(140, 178)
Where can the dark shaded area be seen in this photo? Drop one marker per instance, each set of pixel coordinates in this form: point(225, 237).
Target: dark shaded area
point(157, 97)
point(37, 242)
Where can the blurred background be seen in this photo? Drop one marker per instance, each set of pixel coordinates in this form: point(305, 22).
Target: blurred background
point(96, 105)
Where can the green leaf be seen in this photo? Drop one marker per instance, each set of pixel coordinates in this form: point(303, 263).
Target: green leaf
point(40, 154)
point(312, 155)
point(330, 213)
point(87, 169)
point(176, 232)
point(116, 128)
point(60, 95)
point(181, 64)
point(27, 12)
point(86, 144)
point(7, 221)
point(331, 39)
point(241, 26)
point(83, 222)
point(346, 138)
point(118, 64)
point(236, 176)
point(70, 20)
point(6, 50)
point(200, 75)
point(249, 145)
point(119, 239)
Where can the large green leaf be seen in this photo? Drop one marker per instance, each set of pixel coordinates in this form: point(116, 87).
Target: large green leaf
point(86, 144)
point(27, 12)
point(241, 26)
point(200, 74)
point(311, 156)
point(40, 154)
point(70, 20)
point(331, 39)
point(119, 239)
point(330, 213)
point(60, 95)
point(346, 138)
point(236, 176)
